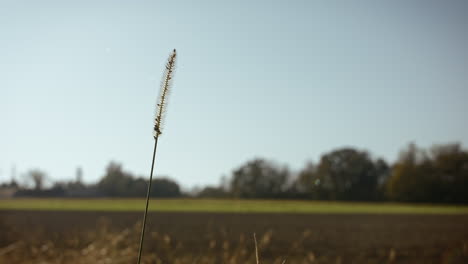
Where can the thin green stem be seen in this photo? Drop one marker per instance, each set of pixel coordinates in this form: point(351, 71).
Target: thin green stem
point(142, 237)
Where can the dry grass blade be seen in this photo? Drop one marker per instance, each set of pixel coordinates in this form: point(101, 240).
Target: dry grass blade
point(10, 248)
point(256, 249)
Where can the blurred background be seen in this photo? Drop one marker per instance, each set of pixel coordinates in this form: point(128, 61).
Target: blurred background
point(303, 104)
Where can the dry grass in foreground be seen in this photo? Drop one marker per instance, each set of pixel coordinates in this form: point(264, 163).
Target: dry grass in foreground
point(107, 247)
point(112, 237)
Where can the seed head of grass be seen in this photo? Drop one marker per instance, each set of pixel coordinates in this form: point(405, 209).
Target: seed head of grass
point(163, 93)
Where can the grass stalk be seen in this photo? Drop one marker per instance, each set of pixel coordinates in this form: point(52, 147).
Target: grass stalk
point(142, 237)
point(160, 109)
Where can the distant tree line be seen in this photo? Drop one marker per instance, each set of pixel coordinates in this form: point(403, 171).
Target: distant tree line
point(115, 183)
point(437, 175)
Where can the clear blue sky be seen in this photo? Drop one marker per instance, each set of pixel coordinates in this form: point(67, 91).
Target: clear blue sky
point(284, 80)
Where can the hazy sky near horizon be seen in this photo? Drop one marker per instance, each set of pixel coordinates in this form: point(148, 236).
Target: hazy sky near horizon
point(283, 80)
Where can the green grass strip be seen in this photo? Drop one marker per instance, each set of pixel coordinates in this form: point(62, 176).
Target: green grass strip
point(228, 206)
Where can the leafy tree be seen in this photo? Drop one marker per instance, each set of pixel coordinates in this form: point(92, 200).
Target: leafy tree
point(308, 184)
point(116, 182)
point(411, 179)
point(440, 175)
point(164, 187)
point(343, 174)
point(450, 163)
point(259, 179)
